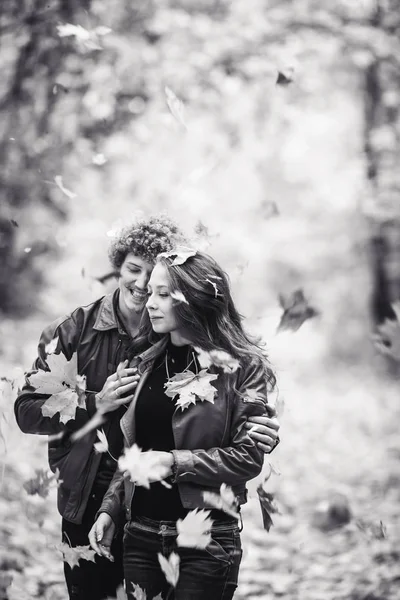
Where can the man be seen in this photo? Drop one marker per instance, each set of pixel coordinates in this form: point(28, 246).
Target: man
point(100, 334)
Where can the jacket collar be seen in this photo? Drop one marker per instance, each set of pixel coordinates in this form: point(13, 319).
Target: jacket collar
point(107, 317)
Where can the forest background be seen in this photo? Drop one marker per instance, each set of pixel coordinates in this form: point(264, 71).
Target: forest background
point(270, 131)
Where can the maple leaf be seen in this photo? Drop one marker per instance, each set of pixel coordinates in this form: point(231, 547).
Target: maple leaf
point(194, 529)
point(102, 444)
point(67, 192)
point(190, 387)
point(296, 311)
point(225, 500)
point(138, 593)
point(50, 348)
point(267, 506)
point(180, 254)
point(387, 339)
point(170, 567)
point(65, 386)
point(218, 358)
point(142, 467)
point(72, 556)
point(40, 484)
point(179, 297)
point(176, 106)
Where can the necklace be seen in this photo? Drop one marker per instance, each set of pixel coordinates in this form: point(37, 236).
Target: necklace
point(185, 369)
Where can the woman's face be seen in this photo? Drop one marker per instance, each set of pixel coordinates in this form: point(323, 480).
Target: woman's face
point(160, 303)
point(133, 279)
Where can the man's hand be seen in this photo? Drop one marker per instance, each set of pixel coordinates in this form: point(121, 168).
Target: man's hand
point(118, 388)
point(264, 430)
point(101, 535)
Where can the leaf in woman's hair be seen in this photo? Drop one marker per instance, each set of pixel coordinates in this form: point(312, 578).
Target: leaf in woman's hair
point(190, 387)
point(180, 254)
point(225, 500)
point(170, 567)
point(176, 106)
point(296, 311)
point(72, 556)
point(218, 358)
point(268, 507)
point(179, 297)
point(194, 531)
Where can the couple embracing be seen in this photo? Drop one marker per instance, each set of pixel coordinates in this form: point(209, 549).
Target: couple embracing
point(171, 319)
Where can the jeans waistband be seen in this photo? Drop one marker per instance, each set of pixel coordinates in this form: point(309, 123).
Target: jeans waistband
point(169, 527)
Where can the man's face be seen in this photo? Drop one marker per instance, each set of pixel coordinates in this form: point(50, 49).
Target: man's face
point(133, 279)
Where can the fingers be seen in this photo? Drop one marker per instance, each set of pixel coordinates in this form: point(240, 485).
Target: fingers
point(271, 423)
point(269, 440)
point(95, 535)
point(266, 448)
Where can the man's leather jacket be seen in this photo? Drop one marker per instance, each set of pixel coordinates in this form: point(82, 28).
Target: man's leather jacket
point(93, 332)
point(211, 445)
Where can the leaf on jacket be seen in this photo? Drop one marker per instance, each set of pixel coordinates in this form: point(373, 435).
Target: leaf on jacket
point(142, 467)
point(176, 106)
point(102, 445)
point(62, 382)
point(72, 556)
point(225, 500)
point(50, 348)
point(194, 531)
point(219, 358)
point(179, 297)
point(170, 567)
point(40, 484)
point(180, 254)
point(268, 507)
point(190, 387)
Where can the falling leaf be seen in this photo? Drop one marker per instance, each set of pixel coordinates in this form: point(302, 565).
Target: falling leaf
point(27, 249)
point(179, 297)
point(225, 500)
point(285, 77)
point(55, 437)
point(180, 254)
point(93, 423)
point(72, 556)
point(138, 593)
point(102, 445)
point(40, 484)
point(170, 567)
point(268, 507)
point(142, 467)
point(194, 531)
point(60, 87)
point(218, 358)
point(296, 311)
point(190, 387)
point(85, 39)
point(99, 159)
point(387, 338)
point(176, 106)
point(62, 383)
point(59, 182)
point(50, 348)
point(372, 530)
point(14, 222)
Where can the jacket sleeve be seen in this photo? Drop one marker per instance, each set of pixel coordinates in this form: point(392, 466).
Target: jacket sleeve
point(112, 503)
point(28, 405)
point(242, 459)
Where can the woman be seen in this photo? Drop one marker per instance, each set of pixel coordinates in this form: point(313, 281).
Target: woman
point(194, 429)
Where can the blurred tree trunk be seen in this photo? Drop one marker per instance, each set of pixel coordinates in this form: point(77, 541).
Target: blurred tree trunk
point(382, 148)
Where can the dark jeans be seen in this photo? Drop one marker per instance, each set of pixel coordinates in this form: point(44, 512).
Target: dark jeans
point(88, 580)
point(209, 574)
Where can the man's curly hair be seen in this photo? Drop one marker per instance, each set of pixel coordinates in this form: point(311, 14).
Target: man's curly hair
point(146, 238)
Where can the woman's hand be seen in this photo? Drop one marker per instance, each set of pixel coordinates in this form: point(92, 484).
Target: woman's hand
point(118, 388)
point(264, 430)
point(101, 535)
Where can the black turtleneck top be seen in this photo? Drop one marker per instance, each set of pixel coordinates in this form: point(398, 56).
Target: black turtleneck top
point(153, 416)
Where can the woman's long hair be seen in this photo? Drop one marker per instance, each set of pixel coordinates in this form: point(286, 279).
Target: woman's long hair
point(208, 318)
